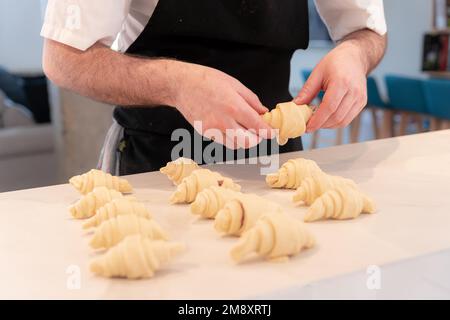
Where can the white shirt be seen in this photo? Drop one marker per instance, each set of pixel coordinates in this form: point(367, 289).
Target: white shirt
point(81, 23)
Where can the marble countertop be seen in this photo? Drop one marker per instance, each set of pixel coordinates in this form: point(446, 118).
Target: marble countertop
point(401, 251)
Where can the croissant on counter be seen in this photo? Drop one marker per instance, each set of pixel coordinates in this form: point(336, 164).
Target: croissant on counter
point(88, 181)
point(290, 119)
point(210, 200)
point(117, 207)
point(90, 203)
point(342, 202)
point(112, 231)
point(136, 257)
point(179, 169)
point(312, 188)
point(292, 173)
point(200, 179)
point(241, 214)
point(275, 236)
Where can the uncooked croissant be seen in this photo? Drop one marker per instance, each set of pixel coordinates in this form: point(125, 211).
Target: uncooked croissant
point(200, 179)
point(86, 182)
point(210, 200)
point(342, 202)
point(275, 236)
point(116, 208)
point(136, 257)
point(312, 188)
point(240, 214)
point(290, 119)
point(179, 169)
point(114, 230)
point(88, 205)
point(292, 173)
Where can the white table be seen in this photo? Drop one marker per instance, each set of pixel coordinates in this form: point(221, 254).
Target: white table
point(407, 240)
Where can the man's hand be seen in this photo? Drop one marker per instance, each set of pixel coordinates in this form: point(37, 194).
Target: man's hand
point(342, 75)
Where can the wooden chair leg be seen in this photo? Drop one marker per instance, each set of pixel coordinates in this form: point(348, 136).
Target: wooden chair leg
point(435, 124)
point(404, 120)
point(445, 124)
point(419, 123)
point(339, 136)
point(375, 126)
point(354, 129)
point(315, 139)
point(387, 129)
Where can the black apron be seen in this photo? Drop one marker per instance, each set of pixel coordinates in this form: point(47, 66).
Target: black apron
point(251, 40)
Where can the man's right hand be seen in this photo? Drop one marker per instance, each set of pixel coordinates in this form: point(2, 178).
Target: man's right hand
point(220, 102)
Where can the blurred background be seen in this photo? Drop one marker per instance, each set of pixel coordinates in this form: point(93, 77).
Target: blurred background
point(48, 134)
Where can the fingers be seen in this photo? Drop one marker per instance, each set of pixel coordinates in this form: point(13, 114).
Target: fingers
point(339, 115)
point(352, 114)
point(250, 97)
point(311, 88)
point(330, 103)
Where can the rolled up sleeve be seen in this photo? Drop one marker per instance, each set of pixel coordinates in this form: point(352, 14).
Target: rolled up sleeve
point(81, 23)
point(346, 16)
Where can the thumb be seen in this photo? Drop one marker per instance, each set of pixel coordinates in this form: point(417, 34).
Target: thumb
point(310, 89)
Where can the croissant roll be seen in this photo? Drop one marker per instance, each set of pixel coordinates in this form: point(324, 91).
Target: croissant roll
point(275, 236)
point(200, 179)
point(292, 173)
point(210, 200)
point(340, 203)
point(240, 214)
point(112, 231)
point(290, 120)
point(88, 181)
point(312, 188)
point(136, 257)
point(88, 205)
point(117, 207)
point(179, 169)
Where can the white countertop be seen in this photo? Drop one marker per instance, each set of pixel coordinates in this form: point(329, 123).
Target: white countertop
point(408, 238)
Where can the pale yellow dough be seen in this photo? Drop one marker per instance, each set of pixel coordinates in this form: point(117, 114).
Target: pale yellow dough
point(312, 188)
point(292, 173)
point(90, 203)
point(210, 200)
point(116, 208)
point(179, 169)
point(88, 181)
point(199, 180)
point(240, 214)
point(342, 202)
point(112, 231)
point(290, 119)
point(136, 257)
point(275, 236)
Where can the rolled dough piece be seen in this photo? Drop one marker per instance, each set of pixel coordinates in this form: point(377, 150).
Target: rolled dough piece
point(292, 173)
point(88, 181)
point(112, 231)
point(200, 179)
point(136, 257)
point(210, 200)
point(275, 236)
point(342, 202)
point(290, 119)
point(179, 169)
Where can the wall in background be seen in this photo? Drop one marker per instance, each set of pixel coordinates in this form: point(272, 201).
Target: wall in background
point(407, 22)
point(21, 45)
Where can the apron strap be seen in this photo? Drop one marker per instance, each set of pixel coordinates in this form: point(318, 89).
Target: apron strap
point(110, 156)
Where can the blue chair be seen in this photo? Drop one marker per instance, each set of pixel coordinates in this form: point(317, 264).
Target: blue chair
point(406, 95)
point(437, 97)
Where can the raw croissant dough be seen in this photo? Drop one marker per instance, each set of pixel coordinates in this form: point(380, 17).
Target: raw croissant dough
point(342, 202)
point(240, 214)
point(88, 181)
point(210, 200)
point(312, 188)
point(179, 169)
point(88, 205)
point(136, 257)
point(114, 230)
point(116, 208)
point(292, 173)
point(275, 236)
point(200, 179)
point(290, 119)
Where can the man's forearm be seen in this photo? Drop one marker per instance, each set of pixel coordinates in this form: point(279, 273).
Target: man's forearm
point(371, 45)
point(111, 77)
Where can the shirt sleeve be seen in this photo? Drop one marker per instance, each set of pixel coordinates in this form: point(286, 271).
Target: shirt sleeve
point(81, 23)
point(346, 16)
